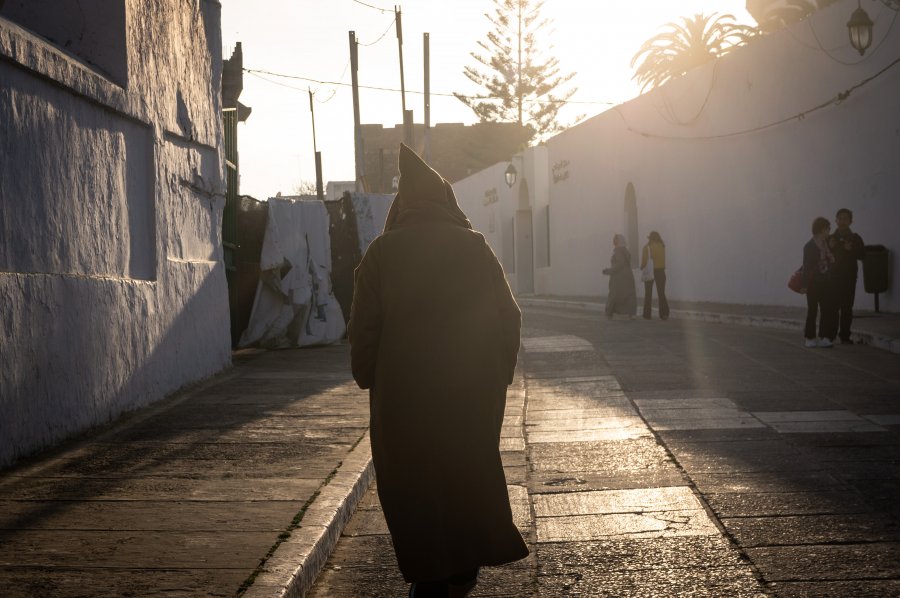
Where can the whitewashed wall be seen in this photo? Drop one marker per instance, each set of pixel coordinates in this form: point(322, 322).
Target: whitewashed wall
point(111, 196)
point(726, 173)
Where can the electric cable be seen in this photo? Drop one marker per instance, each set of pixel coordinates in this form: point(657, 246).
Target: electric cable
point(840, 97)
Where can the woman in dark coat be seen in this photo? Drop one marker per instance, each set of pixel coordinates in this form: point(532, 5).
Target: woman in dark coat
point(434, 336)
point(622, 298)
point(818, 263)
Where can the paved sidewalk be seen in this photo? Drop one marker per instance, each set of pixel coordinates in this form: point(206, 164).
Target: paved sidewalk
point(880, 330)
point(248, 477)
point(240, 485)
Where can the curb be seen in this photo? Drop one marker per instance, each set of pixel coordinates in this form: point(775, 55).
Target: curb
point(292, 569)
point(879, 341)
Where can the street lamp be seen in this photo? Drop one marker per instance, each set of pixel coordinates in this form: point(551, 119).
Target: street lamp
point(510, 174)
point(860, 28)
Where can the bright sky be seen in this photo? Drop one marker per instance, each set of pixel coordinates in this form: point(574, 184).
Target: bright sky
point(309, 38)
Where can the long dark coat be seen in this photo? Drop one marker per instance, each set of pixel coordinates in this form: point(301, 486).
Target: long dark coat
point(434, 334)
point(622, 298)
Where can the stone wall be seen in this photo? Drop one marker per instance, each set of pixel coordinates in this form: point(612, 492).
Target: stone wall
point(111, 196)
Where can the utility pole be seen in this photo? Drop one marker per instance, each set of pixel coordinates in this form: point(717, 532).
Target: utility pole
point(357, 130)
point(519, 77)
point(426, 153)
point(407, 116)
point(319, 192)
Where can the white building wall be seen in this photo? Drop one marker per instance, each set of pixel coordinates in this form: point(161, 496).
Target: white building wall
point(730, 174)
point(111, 197)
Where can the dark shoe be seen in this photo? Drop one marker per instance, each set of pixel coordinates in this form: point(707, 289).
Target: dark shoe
point(462, 584)
point(429, 589)
point(846, 341)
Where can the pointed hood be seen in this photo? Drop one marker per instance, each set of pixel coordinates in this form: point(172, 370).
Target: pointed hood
point(422, 195)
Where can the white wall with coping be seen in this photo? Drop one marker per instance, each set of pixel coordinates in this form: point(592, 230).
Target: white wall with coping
point(111, 195)
point(726, 172)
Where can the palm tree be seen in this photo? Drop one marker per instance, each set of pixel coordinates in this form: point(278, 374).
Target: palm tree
point(686, 45)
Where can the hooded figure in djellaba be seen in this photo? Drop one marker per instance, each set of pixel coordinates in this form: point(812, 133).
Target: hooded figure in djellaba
point(434, 336)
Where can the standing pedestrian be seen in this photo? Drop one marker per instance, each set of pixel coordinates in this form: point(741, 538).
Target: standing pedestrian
point(622, 297)
point(848, 248)
point(434, 336)
point(818, 263)
point(653, 261)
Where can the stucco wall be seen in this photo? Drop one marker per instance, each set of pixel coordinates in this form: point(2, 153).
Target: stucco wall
point(729, 175)
point(111, 199)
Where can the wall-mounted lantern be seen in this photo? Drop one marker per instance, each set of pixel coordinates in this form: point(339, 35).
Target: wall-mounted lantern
point(860, 28)
point(510, 174)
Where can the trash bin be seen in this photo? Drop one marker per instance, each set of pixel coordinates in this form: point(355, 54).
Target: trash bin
point(875, 269)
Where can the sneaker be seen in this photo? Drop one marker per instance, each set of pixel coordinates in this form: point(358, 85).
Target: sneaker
point(825, 343)
point(811, 343)
point(846, 341)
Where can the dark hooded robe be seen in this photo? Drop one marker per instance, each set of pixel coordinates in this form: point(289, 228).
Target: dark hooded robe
point(434, 334)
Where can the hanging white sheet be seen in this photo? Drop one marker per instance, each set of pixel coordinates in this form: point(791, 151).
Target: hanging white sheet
point(294, 305)
point(371, 212)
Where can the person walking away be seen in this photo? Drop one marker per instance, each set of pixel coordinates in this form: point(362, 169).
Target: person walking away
point(654, 252)
point(848, 248)
point(818, 263)
point(622, 297)
point(434, 335)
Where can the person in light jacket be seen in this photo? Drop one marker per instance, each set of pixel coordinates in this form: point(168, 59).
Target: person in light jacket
point(655, 252)
point(434, 335)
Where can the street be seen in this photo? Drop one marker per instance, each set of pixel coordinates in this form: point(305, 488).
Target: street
point(682, 458)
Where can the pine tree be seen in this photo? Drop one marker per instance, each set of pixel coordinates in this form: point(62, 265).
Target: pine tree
point(522, 85)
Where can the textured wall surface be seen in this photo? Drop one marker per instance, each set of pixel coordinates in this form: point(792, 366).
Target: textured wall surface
point(730, 164)
point(111, 195)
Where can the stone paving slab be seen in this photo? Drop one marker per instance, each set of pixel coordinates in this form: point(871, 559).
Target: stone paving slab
point(712, 582)
point(586, 481)
point(140, 515)
point(757, 504)
point(811, 529)
point(33, 582)
point(649, 524)
point(767, 481)
point(839, 589)
point(638, 500)
point(838, 562)
point(608, 457)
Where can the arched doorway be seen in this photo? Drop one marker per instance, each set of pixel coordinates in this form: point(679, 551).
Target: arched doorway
point(631, 221)
point(524, 242)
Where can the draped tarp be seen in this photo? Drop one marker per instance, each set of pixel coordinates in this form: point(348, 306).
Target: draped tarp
point(294, 304)
point(371, 211)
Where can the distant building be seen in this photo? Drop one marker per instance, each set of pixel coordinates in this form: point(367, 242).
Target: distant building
point(456, 150)
point(112, 284)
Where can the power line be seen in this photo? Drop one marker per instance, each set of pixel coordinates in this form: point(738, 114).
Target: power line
point(370, 6)
point(382, 35)
point(391, 89)
point(840, 97)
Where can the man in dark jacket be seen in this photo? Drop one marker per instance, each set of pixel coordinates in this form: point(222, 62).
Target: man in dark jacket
point(434, 336)
point(847, 247)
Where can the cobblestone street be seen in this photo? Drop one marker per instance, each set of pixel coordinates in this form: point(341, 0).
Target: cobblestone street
point(682, 458)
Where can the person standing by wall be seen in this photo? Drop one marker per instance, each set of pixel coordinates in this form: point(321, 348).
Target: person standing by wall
point(622, 298)
point(434, 335)
point(653, 260)
point(818, 263)
point(847, 247)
